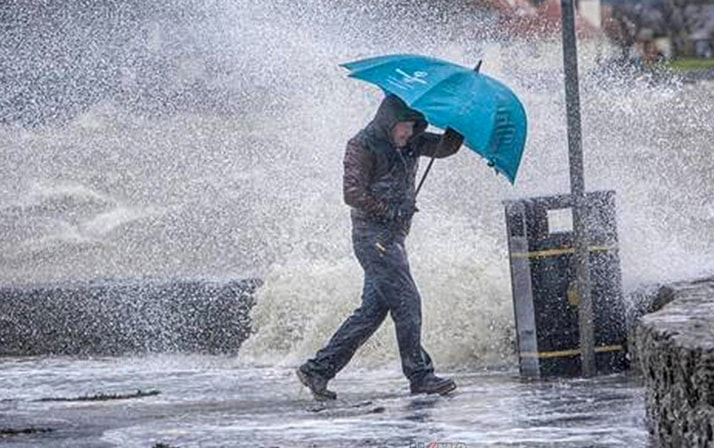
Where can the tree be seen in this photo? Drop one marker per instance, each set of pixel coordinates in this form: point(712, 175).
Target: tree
point(629, 23)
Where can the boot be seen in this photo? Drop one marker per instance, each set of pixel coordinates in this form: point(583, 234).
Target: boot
point(432, 384)
point(316, 384)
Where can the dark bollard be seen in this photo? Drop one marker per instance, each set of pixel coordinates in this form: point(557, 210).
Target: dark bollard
point(540, 242)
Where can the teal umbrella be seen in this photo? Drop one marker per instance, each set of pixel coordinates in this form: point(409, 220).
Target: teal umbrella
point(486, 112)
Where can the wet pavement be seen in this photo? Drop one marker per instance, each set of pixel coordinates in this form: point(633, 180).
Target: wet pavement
point(209, 401)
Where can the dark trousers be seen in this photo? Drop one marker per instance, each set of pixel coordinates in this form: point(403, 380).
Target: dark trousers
point(388, 288)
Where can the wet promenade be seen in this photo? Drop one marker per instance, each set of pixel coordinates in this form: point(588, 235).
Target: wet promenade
point(208, 401)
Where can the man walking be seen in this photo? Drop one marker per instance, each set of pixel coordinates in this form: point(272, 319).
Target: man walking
point(380, 167)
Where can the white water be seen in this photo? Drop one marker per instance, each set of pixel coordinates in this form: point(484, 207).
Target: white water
point(227, 163)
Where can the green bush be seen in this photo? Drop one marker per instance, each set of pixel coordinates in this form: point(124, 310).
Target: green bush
point(691, 63)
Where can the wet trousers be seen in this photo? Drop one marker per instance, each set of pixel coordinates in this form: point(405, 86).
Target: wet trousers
point(388, 288)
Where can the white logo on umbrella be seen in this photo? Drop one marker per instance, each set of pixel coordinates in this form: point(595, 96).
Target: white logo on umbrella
point(416, 77)
point(405, 81)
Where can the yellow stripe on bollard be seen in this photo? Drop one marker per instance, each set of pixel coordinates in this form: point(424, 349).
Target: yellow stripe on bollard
point(554, 252)
point(565, 353)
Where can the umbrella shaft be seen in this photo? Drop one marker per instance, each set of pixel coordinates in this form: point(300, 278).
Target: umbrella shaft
point(423, 178)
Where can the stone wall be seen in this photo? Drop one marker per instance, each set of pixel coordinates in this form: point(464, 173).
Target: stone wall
point(128, 316)
point(675, 347)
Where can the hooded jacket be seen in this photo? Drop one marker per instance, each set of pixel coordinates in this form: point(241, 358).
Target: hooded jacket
point(377, 174)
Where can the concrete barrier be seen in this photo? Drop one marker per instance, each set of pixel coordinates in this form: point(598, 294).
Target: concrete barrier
point(675, 348)
point(113, 317)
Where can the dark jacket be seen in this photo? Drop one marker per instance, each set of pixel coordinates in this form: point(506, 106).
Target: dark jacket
point(377, 174)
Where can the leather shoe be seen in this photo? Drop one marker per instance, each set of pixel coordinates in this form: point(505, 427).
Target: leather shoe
point(316, 384)
point(433, 384)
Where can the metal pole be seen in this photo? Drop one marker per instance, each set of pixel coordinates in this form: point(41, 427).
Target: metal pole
point(577, 189)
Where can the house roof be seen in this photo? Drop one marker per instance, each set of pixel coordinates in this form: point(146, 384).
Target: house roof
point(520, 18)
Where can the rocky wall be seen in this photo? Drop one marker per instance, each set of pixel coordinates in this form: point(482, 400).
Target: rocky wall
point(675, 350)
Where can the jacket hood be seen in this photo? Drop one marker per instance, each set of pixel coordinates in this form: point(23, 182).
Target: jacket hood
point(390, 112)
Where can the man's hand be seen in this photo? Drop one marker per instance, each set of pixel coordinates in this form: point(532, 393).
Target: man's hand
point(400, 213)
point(450, 142)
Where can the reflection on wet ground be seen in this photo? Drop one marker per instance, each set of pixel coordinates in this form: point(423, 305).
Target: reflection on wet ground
point(215, 402)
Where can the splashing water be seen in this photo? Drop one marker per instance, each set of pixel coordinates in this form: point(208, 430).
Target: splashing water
point(206, 140)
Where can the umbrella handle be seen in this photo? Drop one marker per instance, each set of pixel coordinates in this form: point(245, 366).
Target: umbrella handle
point(450, 138)
point(423, 178)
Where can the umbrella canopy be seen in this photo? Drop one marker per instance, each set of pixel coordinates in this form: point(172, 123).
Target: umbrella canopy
point(486, 112)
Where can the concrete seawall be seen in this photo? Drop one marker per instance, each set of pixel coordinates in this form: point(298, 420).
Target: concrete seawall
point(127, 316)
point(675, 349)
